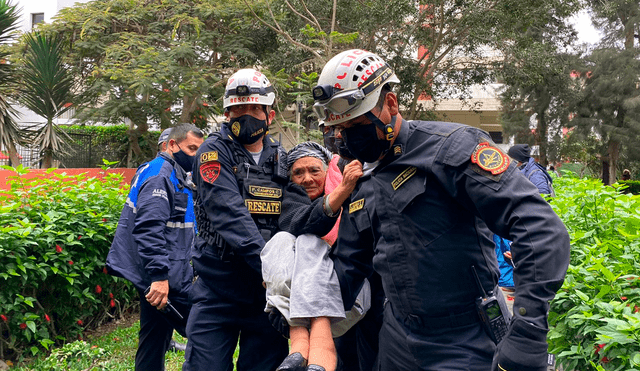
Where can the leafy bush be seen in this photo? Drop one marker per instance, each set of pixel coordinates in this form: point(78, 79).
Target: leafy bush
point(55, 233)
point(633, 186)
point(595, 319)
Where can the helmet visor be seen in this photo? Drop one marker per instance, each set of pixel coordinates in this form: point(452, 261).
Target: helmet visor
point(338, 104)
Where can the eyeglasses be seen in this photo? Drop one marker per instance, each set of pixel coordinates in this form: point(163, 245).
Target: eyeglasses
point(330, 100)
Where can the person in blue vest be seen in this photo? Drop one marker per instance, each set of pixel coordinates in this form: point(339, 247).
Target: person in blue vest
point(153, 241)
point(240, 173)
point(423, 221)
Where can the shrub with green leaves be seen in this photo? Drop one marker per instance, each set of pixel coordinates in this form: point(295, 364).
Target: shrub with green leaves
point(595, 318)
point(55, 233)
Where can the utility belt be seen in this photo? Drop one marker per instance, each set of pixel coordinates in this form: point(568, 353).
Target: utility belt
point(421, 323)
point(218, 246)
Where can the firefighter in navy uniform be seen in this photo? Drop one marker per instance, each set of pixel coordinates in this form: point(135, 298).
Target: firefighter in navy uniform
point(439, 189)
point(239, 176)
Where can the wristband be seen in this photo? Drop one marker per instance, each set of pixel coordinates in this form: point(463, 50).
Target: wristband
point(327, 208)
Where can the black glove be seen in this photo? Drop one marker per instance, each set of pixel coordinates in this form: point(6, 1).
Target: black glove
point(523, 349)
point(279, 322)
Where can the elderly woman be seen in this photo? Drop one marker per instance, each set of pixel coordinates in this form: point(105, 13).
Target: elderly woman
point(298, 273)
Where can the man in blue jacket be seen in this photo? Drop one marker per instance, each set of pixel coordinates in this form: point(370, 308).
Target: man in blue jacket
point(531, 169)
point(153, 241)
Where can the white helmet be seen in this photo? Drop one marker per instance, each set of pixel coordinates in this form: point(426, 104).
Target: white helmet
point(349, 86)
point(248, 86)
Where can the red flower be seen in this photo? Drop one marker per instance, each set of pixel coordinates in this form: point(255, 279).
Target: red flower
point(205, 104)
point(98, 289)
point(104, 270)
point(168, 109)
point(68, 105)
point(70, 262)
point(113, 303)
point(623, 298)
point(598, 347)
point(23, 326)
point(79, 237)
point(58, 249)
point(605, 360)
point(46, 316)
point(104, 220)
point(4, 318)
point(80, 322)
point(110, 295)
point(165, 90)
point(636, 309)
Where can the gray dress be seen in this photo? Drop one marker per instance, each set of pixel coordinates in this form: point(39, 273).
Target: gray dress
point(302, 284)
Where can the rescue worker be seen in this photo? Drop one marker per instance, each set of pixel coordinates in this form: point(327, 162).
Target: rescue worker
point(422, 220)
point(153, 241)
point(239, 174)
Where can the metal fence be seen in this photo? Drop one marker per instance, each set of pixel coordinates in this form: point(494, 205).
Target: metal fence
point(85, 151)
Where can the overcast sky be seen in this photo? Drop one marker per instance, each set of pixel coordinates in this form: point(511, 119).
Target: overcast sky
point(586, 32)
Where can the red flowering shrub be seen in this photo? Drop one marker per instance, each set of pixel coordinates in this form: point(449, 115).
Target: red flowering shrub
point(55, 243)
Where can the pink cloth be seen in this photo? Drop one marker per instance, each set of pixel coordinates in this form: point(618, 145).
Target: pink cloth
point(334, 177)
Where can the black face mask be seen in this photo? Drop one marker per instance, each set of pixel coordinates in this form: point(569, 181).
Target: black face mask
point(185, 161)
point(363, 142)
point(247, 129)
point(343, 151)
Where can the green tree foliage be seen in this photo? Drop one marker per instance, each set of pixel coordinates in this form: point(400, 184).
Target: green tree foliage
point(455, 41)
point(9, 132)
point(538, 84)
point(619, 21)
point(46, 89)
point(160, 60)
point(610, 107)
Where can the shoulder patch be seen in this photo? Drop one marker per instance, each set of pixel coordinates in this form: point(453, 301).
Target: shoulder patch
point(209, 156)
point(356, 205)
point(210, 171)
point(490, 158)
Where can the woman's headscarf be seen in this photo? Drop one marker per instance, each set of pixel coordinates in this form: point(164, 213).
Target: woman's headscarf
point(308, 149)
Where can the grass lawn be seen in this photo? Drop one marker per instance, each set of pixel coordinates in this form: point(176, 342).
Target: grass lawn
point(113, 351)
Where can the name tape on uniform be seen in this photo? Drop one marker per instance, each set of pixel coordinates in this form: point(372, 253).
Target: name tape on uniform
point(356, 205)
point(263, 207)
point(267, 192)
point(403, 177)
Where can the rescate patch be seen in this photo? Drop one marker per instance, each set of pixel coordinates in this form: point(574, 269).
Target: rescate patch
point(490, 158)
point(209, 171)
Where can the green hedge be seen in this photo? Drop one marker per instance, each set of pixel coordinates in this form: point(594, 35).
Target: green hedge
point(55, 232)
point(595, 318)
point(633, 186)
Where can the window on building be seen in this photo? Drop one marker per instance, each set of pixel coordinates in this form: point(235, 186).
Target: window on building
point(36, 18)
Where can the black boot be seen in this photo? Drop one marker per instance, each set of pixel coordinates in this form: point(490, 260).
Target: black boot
point(293, 362)
point(315, 368)
point(174, 346)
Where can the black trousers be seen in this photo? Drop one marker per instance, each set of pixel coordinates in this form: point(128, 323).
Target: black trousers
point(155, 334)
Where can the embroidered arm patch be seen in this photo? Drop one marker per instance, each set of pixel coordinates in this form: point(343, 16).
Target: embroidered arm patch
point(490, 158)
point(209, 171)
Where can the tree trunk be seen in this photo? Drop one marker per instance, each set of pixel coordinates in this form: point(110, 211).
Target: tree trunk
point(605, 172)
point(14, 160)
point(614, 154)
point(188, 106)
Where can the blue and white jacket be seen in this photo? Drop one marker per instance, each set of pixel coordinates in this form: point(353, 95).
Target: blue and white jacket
point(156, 230)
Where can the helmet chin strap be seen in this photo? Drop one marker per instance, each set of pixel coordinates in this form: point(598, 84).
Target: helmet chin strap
point(387, 129)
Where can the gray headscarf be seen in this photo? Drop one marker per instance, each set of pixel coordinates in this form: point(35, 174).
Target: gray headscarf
point(308, 149)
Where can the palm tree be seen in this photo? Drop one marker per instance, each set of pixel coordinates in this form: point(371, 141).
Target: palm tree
point(46, 89)
point(10, 134)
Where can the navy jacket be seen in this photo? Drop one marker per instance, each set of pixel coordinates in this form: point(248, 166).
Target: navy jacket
point(156, 230)
point(537, 175)
point(424, 218)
